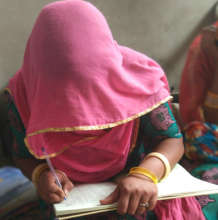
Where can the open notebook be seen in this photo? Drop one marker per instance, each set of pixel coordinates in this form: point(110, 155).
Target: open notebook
point(84, 198)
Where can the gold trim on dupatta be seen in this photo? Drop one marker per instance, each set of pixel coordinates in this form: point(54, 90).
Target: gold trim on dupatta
point(99, 127)
point(94, 127)
point(57, 153)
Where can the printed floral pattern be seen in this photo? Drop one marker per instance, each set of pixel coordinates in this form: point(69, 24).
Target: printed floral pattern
point(161, 118)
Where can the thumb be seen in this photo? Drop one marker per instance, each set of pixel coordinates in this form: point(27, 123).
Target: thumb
point(113, 197)
point(67, 185)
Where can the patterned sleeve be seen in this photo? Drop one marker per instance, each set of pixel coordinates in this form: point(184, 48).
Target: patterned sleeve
point(160, 123)
point(19, 149)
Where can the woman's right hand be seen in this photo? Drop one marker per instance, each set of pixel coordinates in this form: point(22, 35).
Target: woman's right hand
point(49, 191)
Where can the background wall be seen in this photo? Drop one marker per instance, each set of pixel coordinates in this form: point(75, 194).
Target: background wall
point(161, 29)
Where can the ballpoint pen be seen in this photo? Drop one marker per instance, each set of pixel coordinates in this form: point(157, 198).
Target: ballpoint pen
point(52, 170)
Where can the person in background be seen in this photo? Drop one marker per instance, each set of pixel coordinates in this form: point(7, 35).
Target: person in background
point(98, 109)
point(198, 101)
point(198, 96)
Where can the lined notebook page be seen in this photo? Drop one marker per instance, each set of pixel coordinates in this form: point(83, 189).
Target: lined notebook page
point(86, 197)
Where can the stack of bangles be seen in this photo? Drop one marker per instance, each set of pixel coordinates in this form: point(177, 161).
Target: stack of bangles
point(211, 100)
point(149, 174)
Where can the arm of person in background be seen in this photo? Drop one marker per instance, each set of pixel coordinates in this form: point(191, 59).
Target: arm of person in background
point(137, 189)
point(45, 182)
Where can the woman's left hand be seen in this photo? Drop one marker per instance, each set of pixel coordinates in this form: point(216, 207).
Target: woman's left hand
point(132, 194)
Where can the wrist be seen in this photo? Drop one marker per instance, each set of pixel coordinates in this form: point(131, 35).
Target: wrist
point(164, 161)
point(140, 171)
point(37, 172)
point(140, 176)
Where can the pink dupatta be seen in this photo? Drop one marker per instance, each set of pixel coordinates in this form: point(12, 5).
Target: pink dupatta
point(75, 82)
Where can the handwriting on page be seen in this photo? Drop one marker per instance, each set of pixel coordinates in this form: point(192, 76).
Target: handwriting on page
point(86, 195)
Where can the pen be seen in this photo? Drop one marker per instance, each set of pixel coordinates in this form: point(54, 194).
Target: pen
point(52, 170)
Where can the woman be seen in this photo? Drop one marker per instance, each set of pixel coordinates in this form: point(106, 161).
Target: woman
point(198, 96)
point(91, 104)
point(199, 112)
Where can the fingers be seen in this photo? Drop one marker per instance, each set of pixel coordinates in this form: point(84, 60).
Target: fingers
point(152, 202)
point(54, 188)
point(49, 191)
point(136, 196)
point(113, 197)
point(52, 197)
point(146, 204)
point(67, 185)
point(142, 207)
point(134, 205)
point(123, 202)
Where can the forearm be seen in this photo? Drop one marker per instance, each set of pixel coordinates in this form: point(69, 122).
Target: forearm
point(171, 148)
point(27, 165)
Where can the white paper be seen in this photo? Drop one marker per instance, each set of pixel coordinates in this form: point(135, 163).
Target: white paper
point(181, 183)
point(86, 197)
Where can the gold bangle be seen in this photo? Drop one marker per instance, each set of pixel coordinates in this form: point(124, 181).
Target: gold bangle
point(37, 172)
point(145, 172)
point(164, 161)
